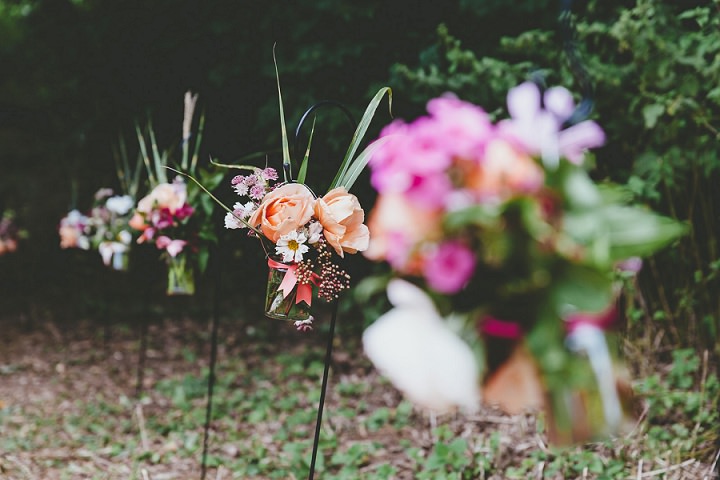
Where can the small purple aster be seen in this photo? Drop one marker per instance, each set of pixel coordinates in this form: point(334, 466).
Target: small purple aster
point(269, 174)
point(257, 191)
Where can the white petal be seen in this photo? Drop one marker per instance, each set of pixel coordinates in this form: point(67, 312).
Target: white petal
point(423, 358)
point(523, 101)
point(559, 102)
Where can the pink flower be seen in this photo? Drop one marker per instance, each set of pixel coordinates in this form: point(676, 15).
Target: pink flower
point(416, 157)
point(173, 247)
point(184, 212)
point(449, 267)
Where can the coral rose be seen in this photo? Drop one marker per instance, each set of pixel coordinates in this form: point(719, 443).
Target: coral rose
point(342, 217)
point(284, 210)
point(169, 195)
point(505, 172)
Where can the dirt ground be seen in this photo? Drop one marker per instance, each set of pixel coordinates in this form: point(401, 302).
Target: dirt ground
point(49, 371)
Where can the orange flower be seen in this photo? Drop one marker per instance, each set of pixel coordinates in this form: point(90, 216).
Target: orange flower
point(283, 210)
point(342, 217)
point(504, 172)
point(137, 221)
point(396, 228)
point(168, 195)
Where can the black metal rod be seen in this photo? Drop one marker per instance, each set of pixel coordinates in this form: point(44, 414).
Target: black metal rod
point(323, 103)
point(213, 362)
point(142, 354)
point(323, 389)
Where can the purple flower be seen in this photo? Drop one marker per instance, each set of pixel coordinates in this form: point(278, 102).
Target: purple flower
point(269, 174)
point(539, 131)
point(449, 267)
point(257, 191)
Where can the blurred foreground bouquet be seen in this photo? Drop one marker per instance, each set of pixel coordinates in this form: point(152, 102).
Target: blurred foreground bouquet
point(10, 233)
point(174, 216)
point(503, 240)
point(304, 236)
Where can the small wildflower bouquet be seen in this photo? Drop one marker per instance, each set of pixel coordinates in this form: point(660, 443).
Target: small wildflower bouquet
point(500, 238)
point(304, 237)
point(105, 228)
point(10, 233)
point(173, 216)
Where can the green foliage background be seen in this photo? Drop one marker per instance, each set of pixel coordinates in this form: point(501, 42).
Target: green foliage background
point(77, 74)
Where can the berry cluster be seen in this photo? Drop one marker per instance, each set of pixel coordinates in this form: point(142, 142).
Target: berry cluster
point(332, 279)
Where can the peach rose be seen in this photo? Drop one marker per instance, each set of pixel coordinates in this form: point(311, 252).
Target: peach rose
point(505, 172)
point(396, 228)
point(283, 210)
point(342, 217)
point(168, 195)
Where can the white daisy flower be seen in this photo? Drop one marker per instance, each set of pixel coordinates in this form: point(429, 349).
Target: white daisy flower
point(292, 246)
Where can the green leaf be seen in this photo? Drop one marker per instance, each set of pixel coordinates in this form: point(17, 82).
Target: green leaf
point(198, 141)
point(304, 166)
point(143, 151)
point(287, 167)
point(579, 189)
point(357, 138)
point(616, 232)
point(635, 231)
point(159, 160)
point(581, 289)
point(651, 113)
point(361, 161)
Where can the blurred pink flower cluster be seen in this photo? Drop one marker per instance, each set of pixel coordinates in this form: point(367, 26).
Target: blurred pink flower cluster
point(455, 158)
point(160, 216)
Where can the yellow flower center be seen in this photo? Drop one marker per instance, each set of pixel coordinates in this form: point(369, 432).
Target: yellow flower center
point(293, 245)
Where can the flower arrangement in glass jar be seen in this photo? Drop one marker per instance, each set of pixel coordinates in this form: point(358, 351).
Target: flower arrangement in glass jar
point(105, 228)
point(172, 216)
point(304, 237)
point(108, 229)
point(10, 233)
point(498, 236)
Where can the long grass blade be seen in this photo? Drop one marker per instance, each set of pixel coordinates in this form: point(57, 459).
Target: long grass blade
point(160, 160)
point(360, 132)
point(198, 141)
point(359, 164)
point(304, 165)
point(287, 167)
point(252, 168)
point(143, 151)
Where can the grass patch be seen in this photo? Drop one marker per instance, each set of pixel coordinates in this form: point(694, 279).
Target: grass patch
point(85, 423)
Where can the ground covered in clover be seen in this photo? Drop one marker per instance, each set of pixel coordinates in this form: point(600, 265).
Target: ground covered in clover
point(70, 408)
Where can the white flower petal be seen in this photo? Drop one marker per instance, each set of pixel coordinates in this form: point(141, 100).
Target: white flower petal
point(412, 345)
